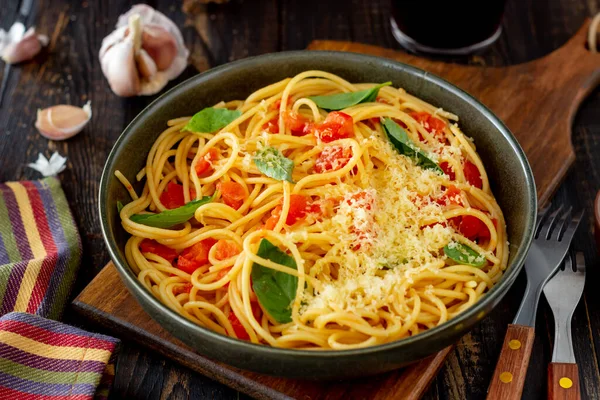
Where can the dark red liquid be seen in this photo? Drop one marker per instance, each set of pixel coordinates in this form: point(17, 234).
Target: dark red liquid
point(449, 24)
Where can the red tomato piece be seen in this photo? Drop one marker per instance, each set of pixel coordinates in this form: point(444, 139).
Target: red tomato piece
point(421, 117)
point(273, 125)
point(484, 232)
point(430, 123)
point(276, 105)
point(472, 227)
point(333, 158)
point(448, 170)
point(435, 124)
point(256, 310)
point(182, 289)
point(226, 249)
point(450, 196)
point(297, 210)
point(273, 219)
point(233, 193)
point(472, 174)
point(152, 246)
point(299, 125)
point(337, 125)
point(237, 326)
point(172, 196)
point(195, 256)
point(204, 165)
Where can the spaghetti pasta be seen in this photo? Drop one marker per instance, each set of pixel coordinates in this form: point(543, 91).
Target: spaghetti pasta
point(325, 229)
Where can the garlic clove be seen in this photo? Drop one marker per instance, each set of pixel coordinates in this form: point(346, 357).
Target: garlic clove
point(145, 64)
point(120, 69)
point(63, 121)
point(17, 46)
point(160, 45)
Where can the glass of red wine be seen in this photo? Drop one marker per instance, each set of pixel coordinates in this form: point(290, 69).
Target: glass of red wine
point(446, 27)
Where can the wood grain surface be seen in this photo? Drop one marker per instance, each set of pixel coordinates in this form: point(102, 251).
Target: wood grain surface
point(68, 71)
point(511, 369)
point(108, 302)
point(563, 382)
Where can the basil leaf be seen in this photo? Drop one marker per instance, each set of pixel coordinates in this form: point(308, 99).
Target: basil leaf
point(119, 206)
point(169, 218)
point(273, 164)
point(275, 290)
point(211, 120)
point(340, 101)
point(404, 145)
point(464, 254)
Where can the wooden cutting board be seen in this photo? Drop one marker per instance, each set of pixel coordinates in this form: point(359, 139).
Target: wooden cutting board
point(537, 100)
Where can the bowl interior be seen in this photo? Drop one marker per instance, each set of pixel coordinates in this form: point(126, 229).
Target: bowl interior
point(510, 175)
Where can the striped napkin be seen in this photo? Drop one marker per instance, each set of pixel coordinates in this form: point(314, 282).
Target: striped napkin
point(40, 252)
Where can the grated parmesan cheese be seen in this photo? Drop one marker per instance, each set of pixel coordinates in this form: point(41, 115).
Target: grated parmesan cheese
point(381, 244)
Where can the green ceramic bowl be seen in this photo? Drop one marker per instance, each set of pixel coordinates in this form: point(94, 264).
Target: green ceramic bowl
point(510, 174)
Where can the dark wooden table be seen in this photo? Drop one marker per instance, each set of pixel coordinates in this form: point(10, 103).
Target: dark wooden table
point(69, 72)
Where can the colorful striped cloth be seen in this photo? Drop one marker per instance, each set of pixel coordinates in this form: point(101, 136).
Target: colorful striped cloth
point(40, 252)
point(45, 359)
point(40, 249)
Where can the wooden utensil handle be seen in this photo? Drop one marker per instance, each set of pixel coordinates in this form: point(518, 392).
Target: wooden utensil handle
point(563, 381)
point(511, 369)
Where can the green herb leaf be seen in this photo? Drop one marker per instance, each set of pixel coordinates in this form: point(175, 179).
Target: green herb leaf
point(275, 290)
point(119, 206)
point(169, 218)
point(211, 120)
point(404, 145)
point(273, 164)
point(464, 254)
point(340, 101)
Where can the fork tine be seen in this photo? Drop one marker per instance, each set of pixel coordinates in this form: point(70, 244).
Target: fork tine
point(560, 225)
point(546, 228)
point(541, 216)
point(570, 231)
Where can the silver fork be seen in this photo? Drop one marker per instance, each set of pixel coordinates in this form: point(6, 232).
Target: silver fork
point(563, 292)
point(552, 239)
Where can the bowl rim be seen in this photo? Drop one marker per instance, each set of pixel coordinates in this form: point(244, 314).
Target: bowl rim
point(498, 290)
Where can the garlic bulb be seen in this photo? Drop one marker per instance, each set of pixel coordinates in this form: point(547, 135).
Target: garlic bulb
point(16, 45)
point(144, 53)
point(63, 121)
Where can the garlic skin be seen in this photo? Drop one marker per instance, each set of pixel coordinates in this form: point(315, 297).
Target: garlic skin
point(17, 45)
point(49, 167)
point(143, 54)
point(63, 121)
